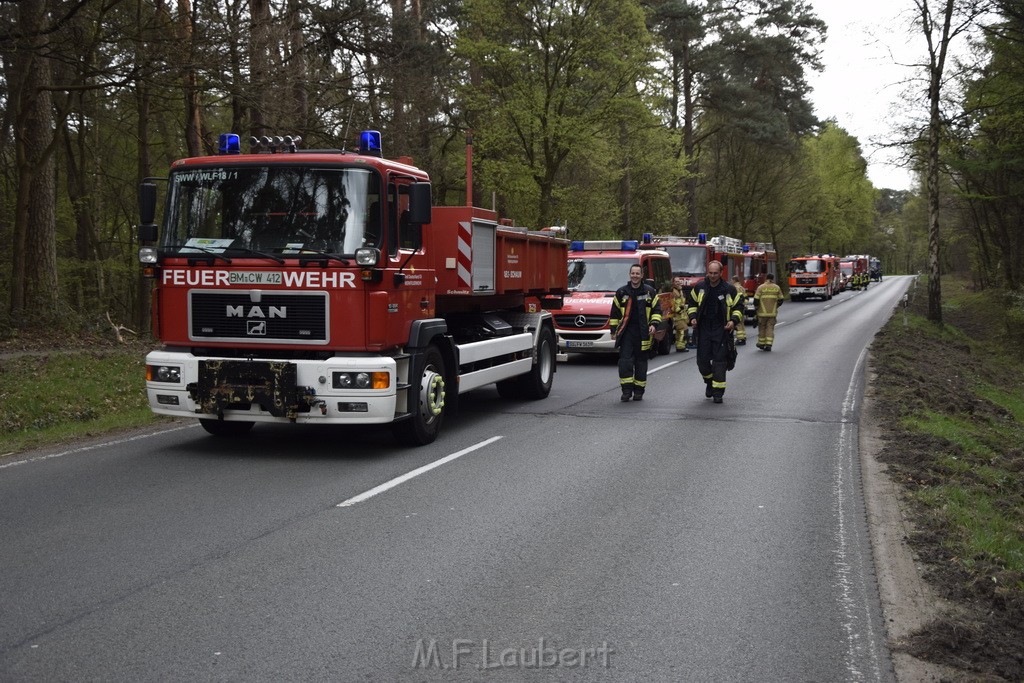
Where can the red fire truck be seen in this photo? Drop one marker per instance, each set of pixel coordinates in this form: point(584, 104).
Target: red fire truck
point(690, 256)
point(856, 271)
point(814, 275)
point(597, 268)
point(759, 259)
point(321, 287)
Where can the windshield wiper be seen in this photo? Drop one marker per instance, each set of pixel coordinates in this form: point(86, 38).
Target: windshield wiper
point(314, 253)
point(211, 252)
point(253, 252)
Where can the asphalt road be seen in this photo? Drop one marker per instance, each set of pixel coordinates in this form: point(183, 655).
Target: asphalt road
point(572, 538)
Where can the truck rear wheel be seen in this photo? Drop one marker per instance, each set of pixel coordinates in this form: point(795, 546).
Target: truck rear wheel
point(426, 402)
point(225, 429)
point(536, 384)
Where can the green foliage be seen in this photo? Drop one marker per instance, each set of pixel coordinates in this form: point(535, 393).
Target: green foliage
point(957, 390)
point(56, 396)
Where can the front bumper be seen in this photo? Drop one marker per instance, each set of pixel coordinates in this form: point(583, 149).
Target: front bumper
point(596, 341)
point(318, 401)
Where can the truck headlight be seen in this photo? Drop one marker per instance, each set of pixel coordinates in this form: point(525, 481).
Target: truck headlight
point(147, 255)
point(361, 380)
point(163, 373)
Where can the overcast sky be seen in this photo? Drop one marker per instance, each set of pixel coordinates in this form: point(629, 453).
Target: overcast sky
point(863, 77)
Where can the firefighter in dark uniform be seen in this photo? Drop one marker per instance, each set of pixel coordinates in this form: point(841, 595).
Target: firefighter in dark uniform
point(635, 316)
point(714, 313)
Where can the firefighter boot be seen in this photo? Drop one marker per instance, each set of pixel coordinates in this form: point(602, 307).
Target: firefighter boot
point(627, 393)
point(638, 394)
point(707, 389)
point(717, 399)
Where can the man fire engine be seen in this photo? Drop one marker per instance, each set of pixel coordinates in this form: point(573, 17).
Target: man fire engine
point(321, 287)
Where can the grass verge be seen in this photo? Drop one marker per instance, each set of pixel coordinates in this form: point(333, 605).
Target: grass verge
point(952, 397)
point(54, 397)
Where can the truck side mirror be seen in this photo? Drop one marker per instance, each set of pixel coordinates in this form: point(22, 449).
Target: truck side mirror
point(419, 203)
point(147, 212)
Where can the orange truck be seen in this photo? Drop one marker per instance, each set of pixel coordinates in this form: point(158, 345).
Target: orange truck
point(597, 268)
point(322, 287)
point(814, 276)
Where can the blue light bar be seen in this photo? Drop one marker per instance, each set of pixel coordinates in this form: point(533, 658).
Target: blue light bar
point(229, 144)
point(369, 143)
point(630, 245)
point(576, 245)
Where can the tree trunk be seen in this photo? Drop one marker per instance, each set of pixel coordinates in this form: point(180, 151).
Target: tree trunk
point(34, 286)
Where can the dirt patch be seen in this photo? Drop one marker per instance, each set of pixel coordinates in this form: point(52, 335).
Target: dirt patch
point(979, 627)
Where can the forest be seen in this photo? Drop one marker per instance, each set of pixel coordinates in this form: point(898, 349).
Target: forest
point(610, 117)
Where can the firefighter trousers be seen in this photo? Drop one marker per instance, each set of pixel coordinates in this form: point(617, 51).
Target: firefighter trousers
point(765, 330)
point(632, 362)
point(712, 362)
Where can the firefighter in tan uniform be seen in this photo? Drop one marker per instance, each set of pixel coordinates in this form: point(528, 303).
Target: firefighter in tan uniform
point(680, 321)
point(767, 299)
point(741, 328)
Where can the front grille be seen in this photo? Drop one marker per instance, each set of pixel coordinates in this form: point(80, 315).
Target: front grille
point(266, 318)
point(567, 321)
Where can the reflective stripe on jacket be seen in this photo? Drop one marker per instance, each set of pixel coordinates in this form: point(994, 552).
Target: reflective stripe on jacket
point(651, 311)
point(767, 299)
point(732, 305)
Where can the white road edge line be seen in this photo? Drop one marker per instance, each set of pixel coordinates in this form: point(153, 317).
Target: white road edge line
point(662, 367)
point(95, 446)
point(415, 473)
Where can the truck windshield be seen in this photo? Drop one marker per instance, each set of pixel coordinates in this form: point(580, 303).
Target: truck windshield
point(846, 268)
point(598, 274)
point(687, 261)
point(808, 266)
point(272, 209)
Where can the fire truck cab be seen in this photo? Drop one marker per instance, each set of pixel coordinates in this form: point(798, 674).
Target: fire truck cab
point(597, 268)
point(759, 259)
point(814, 275)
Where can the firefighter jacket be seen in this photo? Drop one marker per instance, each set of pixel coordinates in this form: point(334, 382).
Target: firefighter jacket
point(767, 299)
point(713, 307)
point(646, 298)
point(678, 304)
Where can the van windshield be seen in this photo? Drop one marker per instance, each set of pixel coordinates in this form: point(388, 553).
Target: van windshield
point(598, 274)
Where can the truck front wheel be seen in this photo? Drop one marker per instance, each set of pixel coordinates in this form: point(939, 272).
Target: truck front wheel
point(225, 429)
point(426, 402)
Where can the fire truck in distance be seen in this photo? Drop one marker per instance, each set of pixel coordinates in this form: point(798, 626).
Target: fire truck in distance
point(759, 259)
point(597, 268)
point(856, 271)
point(322, 287)
point(876, 269)
point(814, 275)
point(690, 256)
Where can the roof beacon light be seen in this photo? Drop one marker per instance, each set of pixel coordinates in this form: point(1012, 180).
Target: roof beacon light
point(702, 238)
point(369, 143)
point(229, 144)
point(746, 248)
point(648, 238)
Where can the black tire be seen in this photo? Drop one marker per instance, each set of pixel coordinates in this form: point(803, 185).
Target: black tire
point(536, 384)
point(426, 399)
point(224, 429)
